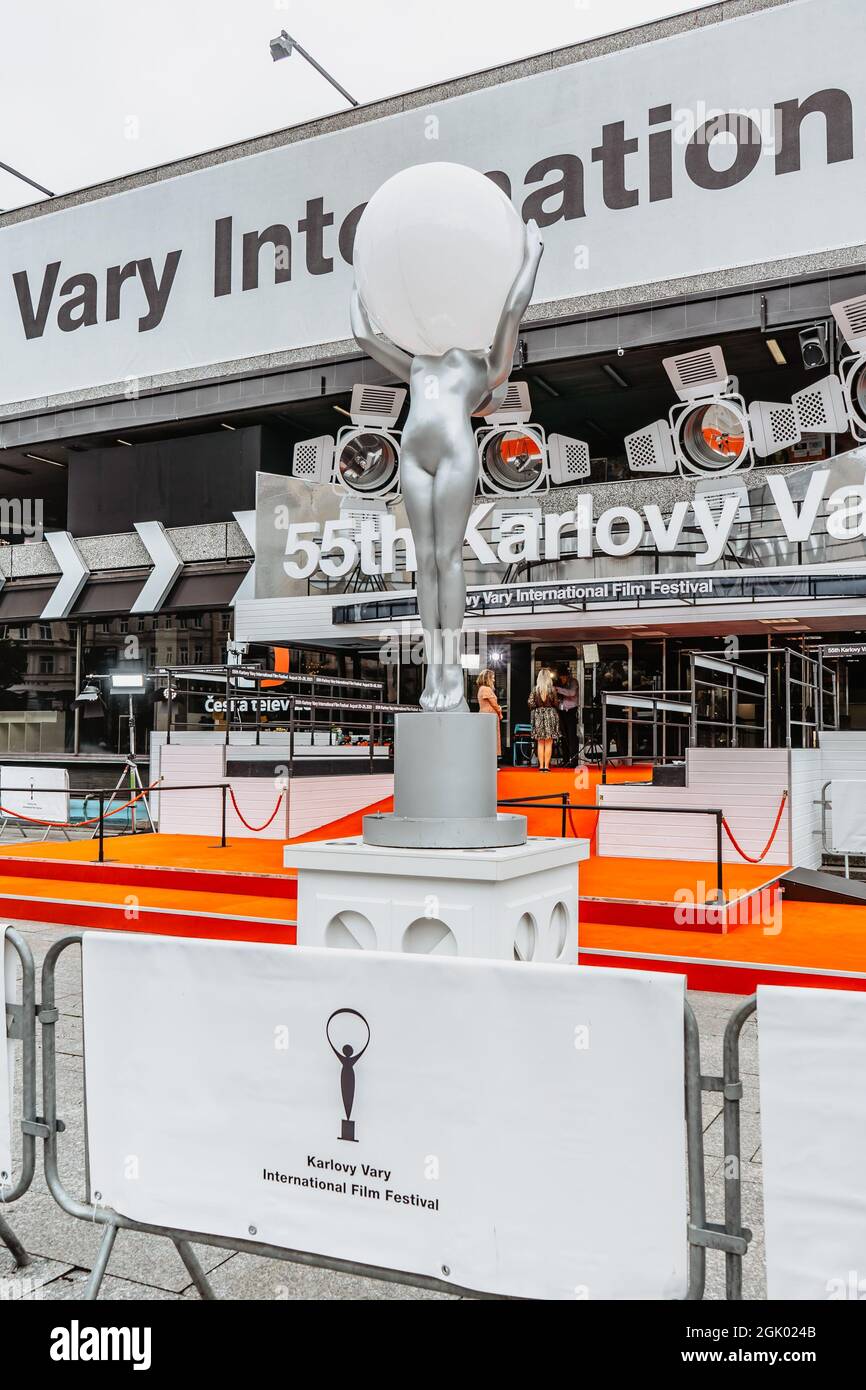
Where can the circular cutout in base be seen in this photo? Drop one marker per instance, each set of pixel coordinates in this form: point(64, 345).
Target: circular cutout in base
point(350, 931)
point(560, 921)
point(427, 936)
point(526, 938)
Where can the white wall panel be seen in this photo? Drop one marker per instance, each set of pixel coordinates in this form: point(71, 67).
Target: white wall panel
point(806, 779)
point(745, 783)
point(843, 756)
point(199, 810)
point(812, 1058)
point(317, 800)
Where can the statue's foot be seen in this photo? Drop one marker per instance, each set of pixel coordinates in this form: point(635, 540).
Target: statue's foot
point(432, 689)
point(452, 696)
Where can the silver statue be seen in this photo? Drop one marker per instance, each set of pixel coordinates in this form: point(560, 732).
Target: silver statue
point(439, 466)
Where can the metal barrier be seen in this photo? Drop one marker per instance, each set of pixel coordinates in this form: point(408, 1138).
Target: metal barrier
point(701, 1233)
point(731, 1088)
point(21, 1028)
point(655, 703)
point(553, 801)
point(722, 727)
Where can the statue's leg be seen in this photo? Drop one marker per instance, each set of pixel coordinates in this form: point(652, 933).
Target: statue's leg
point(453, 496)
point(417, 486)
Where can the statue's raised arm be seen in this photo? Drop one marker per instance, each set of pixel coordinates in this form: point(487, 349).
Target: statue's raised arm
point(376, 345)
point(501, 354)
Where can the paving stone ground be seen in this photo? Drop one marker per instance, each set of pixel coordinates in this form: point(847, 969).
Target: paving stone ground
point(148, 1267)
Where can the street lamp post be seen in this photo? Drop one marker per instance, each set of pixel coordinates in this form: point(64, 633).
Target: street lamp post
point(284, 45)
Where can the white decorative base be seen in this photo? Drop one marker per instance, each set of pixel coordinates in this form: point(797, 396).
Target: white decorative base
point(517, 903)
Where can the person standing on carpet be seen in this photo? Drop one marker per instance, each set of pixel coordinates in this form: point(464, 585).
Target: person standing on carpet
point(544, 716)
point(485, 689)
point(569, 699)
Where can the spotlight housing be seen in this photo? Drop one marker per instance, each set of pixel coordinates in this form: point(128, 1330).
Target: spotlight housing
point(712, 431)
point(365, 458)
point(516, 457)
point(512, 454)
point(837, 403)
point(850, 314)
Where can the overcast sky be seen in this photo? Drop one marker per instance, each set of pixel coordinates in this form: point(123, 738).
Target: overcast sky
point(90, 89)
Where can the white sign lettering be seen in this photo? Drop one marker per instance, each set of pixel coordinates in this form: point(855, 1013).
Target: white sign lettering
point(667, 160)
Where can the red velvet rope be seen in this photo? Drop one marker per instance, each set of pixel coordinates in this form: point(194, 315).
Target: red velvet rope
point(66, 824)
point(256, 829)
point(742, 852)
point(591, 834)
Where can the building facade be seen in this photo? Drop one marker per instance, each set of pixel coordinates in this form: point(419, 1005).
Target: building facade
point(184, 430)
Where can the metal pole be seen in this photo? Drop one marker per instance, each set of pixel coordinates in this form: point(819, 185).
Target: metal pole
point(131, 724)
point(820, 689)
point(76, 732)
point(372, 736)
point(564, 828)
point(291, 735)
point(695, 1153)
point(787, 697)
point(224, 790)
point(720, 857)
point(324, 72)
point(733, 1090)
point(102, 827)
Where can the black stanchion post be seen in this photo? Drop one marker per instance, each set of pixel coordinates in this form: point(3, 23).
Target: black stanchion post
point(224, 790)
point(564, 814)
point(372, 736)
point(102, 827)
point(719, 854)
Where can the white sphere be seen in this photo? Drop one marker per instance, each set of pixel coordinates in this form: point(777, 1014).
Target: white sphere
point(436, 251)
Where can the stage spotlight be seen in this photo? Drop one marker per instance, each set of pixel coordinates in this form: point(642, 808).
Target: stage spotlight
point(814, 346)
point(513, 460)
point(850, 315)
point(127, 683)
point(87, 697)
point(512, 453)
point(367, 462)
point(712, 431)
point(516, 457)
point(365, 459)
point(837, 404)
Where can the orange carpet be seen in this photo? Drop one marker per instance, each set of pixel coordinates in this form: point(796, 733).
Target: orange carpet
point(163, 899)
point(660, 880)
point(579, 783)
point(822, 945)
point(162, 851)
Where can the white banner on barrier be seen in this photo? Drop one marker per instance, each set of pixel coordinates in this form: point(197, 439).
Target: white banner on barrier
point(848, 817)
point(515, 1129)
point(35, 793)
point(7, 1076)
point(812, 1050)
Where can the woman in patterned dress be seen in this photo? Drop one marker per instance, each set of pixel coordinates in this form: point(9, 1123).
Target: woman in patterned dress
point(544, 715)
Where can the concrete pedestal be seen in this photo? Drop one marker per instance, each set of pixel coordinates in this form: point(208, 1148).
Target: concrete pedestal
point(517, 903)
point(444, 787)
